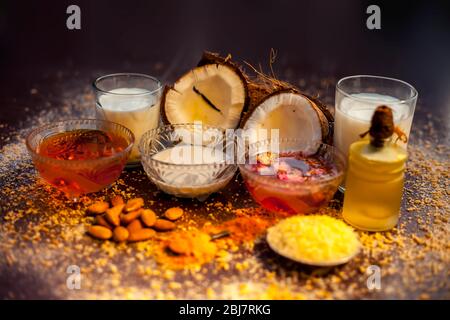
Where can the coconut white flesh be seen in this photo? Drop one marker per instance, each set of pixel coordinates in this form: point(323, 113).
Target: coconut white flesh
point(220, 84)
point(292, 114)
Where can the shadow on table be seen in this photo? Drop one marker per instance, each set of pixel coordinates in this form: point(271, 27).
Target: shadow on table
point(15, 284)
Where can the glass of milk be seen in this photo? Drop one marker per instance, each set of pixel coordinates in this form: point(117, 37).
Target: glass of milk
point(132, 100)
point(356, 100)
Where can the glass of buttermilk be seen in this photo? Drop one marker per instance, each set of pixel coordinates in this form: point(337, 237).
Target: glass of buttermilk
point(132, 100)
point(356, 100)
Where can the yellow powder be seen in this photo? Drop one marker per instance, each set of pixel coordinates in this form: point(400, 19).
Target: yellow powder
point(314, 239)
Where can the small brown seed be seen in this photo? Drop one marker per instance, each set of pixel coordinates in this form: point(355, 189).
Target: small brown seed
point(101, 221)
point(148, 217)
point(164, 225)
point(120, 234)
point(173, 213)
point(128, 217)
point(98, 207)
point(134, 204)
point(113, 215)
point(141, 234)
point(116, 200)
point(134, 226)
point(100, 232)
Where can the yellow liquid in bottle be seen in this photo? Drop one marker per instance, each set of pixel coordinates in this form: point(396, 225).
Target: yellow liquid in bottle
point(374, 186)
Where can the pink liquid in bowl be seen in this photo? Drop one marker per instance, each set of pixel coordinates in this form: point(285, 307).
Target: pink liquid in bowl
point(293, 183)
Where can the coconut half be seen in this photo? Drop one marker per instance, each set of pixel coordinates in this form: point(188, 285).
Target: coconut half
point(214, 94)
point(293, 114)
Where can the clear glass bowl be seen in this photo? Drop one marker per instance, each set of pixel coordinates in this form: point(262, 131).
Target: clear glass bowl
point(289, 197)
point(77, 177)
point(176, 158)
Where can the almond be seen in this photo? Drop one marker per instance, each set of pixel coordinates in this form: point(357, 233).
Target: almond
point(141, 234)
point(134, 204)
point(180, 246)
point(126, 218)
point(120, 234)
point(100, 232)
point(98, 207)
point(101, 221)
point(148, 217)
point(173, 213)
point(134, 225)
point(116, 200)
point(164, 225)
point(113, 215)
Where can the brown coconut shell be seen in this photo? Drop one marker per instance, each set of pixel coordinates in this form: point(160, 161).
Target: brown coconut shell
point(215, 58)
point(258, 88)
point(162, 109)
point(248, 114)
point(256, 91)
point(326, 125)
point(261, 87)
point(210, 58)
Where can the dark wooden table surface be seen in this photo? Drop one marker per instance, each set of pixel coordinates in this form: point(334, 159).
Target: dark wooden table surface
point(46, 71)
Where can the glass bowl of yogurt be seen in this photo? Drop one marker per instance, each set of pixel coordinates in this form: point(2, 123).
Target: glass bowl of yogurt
point(132, 100)
point(188, 160)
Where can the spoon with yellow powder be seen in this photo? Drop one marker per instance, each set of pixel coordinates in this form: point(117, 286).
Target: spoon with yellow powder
point(316, 240)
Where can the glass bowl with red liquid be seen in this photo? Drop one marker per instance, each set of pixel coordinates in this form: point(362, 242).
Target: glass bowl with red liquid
point(289, 177)
point(80, 156)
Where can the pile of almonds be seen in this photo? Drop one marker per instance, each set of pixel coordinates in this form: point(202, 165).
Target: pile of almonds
point(129, 221)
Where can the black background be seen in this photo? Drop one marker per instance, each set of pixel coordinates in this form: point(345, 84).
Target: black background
point(165, 38)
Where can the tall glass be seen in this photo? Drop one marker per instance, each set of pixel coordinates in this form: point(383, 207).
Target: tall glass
point(132, 100)
point(356, 100)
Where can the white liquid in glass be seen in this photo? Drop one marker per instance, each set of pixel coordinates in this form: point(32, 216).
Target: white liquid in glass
point(134, 108)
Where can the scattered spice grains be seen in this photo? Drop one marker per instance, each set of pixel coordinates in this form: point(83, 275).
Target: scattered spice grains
point(42, 234)
point(191, 247)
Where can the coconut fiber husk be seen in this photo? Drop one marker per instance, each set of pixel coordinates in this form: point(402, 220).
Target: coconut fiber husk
point(260, 86)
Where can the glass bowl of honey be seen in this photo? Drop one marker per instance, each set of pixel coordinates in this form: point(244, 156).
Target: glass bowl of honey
point(289, 177)
point(80, 156)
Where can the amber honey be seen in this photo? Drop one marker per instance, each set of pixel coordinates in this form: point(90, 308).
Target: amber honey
point(81, 161)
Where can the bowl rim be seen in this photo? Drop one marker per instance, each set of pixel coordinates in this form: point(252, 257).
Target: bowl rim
point(149, 157)
point(35, 131)
point(289, 184)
